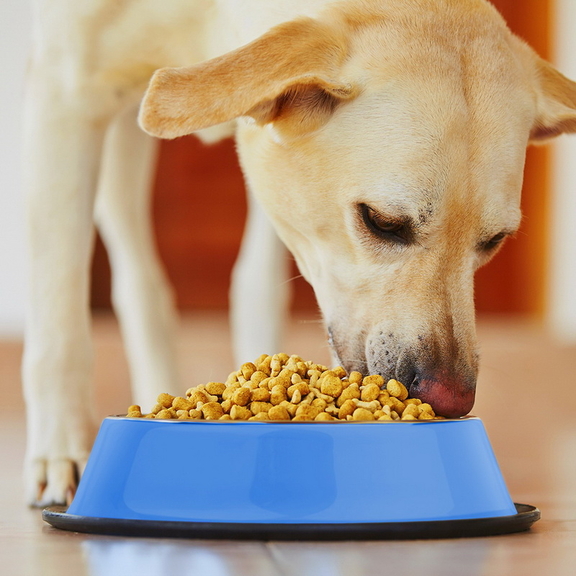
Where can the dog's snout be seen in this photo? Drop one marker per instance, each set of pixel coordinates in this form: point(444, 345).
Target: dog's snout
point(441, 374)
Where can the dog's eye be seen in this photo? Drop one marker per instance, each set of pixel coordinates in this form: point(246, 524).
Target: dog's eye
point(494, 241)
point(386, 228)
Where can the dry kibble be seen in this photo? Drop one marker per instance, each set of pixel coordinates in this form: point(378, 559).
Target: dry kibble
point(260, 416)
point(314, 376)
point(264, 383)
point(371, 406)
point(180, 403)
point(324, 417)
point(362, 414)
point(278, 394)
point(240, 413)
point(355, 378)
point(296, 397)
point(198, 396)
point(395, 404)
point(258, 376)
point(286, 388)
point(308, 411)
point(165, 400)
point(212, 411)
point(385, 418)
point(286, 373)
point(302, 387)
point(352, 391)
point(302, 368)
point(230, 389)
point(261, 359)
point(295, 378)
point(425, 407)
point(226, 405)
point(373, 379)
point(278, 413)
point(416, 401)
point(275, 365)
point(332, 409)
point(248, 369)
point(331, 384)
point(260, 395)
point(256, 407)
point(279, 380)
point(215, 388)
point(370, 392)
point(241, 396)
point(264, 365)
point(347, 409)
point(411, 410)
point(383, 396)
point(320, 403)
point(339, 371)
point(325, 397)
point(397, 389)
point(291, 408)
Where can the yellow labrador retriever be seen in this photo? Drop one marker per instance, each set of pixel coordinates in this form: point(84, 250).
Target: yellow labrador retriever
point(384, 139)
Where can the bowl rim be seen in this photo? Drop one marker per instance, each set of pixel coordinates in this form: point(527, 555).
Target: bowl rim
point(291, 422)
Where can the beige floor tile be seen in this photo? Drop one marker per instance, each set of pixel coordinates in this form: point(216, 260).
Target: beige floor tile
point(526, 398)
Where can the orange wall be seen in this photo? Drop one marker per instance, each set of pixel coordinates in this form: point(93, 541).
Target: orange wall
point(515, 281)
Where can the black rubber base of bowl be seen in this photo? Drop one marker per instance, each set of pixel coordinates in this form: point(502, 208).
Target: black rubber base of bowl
point(523, 520)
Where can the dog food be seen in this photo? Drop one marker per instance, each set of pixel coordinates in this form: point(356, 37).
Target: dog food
point(286, 388)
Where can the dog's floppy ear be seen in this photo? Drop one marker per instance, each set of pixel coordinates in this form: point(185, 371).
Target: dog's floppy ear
point(556, 103)
point(288, 73)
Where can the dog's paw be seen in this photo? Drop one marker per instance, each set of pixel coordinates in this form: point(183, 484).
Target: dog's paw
point(49, 482)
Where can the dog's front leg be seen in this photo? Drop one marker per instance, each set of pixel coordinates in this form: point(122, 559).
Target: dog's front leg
point(260, 289)
point(141, 294)
point(62, 147)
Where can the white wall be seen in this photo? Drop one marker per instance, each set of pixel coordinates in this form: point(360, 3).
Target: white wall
point(562, 276)
point(15, 34)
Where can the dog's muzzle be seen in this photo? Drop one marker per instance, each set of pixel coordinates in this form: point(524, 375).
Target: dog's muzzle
point(443, 376)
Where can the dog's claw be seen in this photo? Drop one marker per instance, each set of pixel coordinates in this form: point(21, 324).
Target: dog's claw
point(53, 482)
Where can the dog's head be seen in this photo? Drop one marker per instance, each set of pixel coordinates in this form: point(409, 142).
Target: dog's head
point(387, 147)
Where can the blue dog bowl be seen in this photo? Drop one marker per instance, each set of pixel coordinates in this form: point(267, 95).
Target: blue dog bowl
point(292, 480)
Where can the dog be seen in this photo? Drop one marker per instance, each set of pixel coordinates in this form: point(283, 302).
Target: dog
point(384, 140)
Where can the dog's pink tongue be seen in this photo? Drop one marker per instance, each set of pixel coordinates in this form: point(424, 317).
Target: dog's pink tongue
point(449, 397)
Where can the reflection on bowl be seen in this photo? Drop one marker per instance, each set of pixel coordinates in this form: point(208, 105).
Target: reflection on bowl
point(292, 473)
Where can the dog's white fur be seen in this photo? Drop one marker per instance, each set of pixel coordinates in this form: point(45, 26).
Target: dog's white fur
point(411, 115)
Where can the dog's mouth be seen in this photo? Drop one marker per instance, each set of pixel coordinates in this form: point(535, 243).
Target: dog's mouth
point(428, 374)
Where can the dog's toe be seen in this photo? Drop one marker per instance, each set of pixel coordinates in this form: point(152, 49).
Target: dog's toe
point(52, 482)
